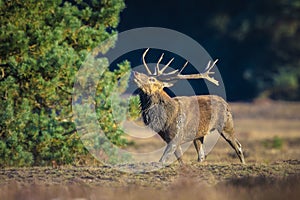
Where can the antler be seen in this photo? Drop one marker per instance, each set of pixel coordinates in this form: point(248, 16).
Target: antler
point(176, 75)
point(145, 64)
point(204, 75)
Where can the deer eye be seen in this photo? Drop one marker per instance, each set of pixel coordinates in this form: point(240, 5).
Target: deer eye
point(152, 80)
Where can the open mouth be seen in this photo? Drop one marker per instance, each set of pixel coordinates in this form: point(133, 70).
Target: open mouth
point(136, 80)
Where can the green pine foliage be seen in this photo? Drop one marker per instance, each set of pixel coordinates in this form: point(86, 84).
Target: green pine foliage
point(99, 110)
point(42, 46)
point(112, 112)
point(134, 108)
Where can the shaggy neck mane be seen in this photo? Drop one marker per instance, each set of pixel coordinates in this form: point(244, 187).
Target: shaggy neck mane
point(161, 98)
point(157, 109)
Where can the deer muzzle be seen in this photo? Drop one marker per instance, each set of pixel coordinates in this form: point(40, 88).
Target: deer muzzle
point(139, 78)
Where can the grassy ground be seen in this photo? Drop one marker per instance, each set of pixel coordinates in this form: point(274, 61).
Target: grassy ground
point(268, 131)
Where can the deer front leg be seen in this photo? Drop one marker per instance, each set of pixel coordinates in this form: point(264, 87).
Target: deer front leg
point(172, 147)
point(178, 154)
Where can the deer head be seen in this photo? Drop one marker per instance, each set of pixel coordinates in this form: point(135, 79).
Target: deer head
point(155, 82)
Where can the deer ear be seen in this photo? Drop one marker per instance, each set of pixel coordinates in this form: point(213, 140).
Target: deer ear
point(167, 84)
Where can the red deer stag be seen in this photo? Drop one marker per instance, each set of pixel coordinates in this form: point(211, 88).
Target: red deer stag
point(185, 118)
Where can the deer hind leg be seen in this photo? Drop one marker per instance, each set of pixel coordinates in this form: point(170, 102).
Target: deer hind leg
point(198, 143)
point(228, 135)
point(235, 144)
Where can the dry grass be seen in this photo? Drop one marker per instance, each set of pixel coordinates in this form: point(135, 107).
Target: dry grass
point(268, 131)
point(246, 188)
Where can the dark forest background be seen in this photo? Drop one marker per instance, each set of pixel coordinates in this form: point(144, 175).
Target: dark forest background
point(257, 42)
point(43, 44)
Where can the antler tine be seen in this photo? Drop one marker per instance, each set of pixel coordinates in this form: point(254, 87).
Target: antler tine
point(157, 71)
point(176, 70)
point(166, 66)
point(209, 67)
point(207, 72)
point(187, 62)
point(145, 64)
point(204, 75)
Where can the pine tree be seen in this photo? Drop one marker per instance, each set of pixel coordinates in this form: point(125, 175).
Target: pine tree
point(42, 46)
